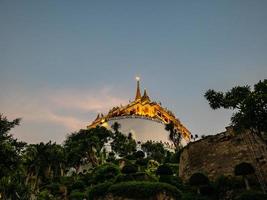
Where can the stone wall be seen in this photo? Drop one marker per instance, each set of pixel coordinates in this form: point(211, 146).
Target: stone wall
point(219, 154)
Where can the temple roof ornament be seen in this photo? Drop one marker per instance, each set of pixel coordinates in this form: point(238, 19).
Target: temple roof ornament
point(143, 107)
point(138, 93)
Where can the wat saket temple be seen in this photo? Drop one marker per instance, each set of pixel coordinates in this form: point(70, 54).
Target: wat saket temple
point(144, 118)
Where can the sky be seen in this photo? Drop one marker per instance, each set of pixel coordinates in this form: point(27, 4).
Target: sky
point(62, 62)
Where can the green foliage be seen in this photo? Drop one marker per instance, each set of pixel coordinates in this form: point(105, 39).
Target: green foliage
point(172, 180)
point(105, 172)
point(250, 106)
point(198, 179)
point(45, 195)
point(99, 190)
point(77, 195)
point(252, 195)
point(174, 136)
point(123, 145)
point(244, 169)
point(86, 146)
point(78, 185)
point(143, 189)
point(9, 147)
point(139, 154)
point(129, 169)
point(154, 150)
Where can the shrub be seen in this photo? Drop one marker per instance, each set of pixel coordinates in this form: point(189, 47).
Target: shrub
point(45, 195)
point(78, 185)
point(198, 179)
point(124, 178)
point(141, 162)
point(143, 189)
point(99, 190)
point(164, 170)
point(129, 169)
point(105, 172)
point(172, 180)
point(252, 195)
point(76, 195)
point(139, 154)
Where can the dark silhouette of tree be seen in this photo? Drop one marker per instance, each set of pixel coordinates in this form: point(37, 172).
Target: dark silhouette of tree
point(116, 126)
point(123, 145)
point(250, 106)
point(154, 150)
point(164, 170)
point(244, 169)
point(86, 146)
point(11, 168)
point(174, 135)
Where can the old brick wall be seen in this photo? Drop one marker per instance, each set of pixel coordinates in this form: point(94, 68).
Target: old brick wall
point(219, 154)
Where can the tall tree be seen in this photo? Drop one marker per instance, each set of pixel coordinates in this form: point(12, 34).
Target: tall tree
point(174, 135)
point(154, 150)
point(86, 146)
point(250, 106)
point(10, 160)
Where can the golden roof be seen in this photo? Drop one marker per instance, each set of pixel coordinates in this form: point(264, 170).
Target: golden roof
point(143, 107)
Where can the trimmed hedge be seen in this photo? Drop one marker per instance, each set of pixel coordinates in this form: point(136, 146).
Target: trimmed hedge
point(143, 189)
point(252, 195)
point(99, 190)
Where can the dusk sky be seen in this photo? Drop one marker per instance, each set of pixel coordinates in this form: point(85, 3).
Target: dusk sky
point(62, 62)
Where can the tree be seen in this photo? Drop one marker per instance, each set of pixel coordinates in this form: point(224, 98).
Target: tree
point(154, 150)
point(116, 126)
point(174, 135)
point(164, 170)
point(243, 169)
point(11, 172)
point(123, 145)
point(86, 146)
point(250, 106)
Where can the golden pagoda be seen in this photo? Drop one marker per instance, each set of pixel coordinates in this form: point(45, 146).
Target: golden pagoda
point(142, 107)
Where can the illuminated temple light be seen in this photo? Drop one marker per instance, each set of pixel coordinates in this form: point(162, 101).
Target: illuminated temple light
point(142, 107)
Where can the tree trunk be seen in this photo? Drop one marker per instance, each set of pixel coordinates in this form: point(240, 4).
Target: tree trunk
point(246, 183)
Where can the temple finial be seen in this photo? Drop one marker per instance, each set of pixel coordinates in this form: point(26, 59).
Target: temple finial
point(138, 93)
point(145, 97)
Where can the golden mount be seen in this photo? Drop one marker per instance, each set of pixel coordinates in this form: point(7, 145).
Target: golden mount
point(143, 107)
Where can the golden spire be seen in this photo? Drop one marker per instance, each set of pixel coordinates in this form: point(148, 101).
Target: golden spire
point(138, 93)
point(145, 96)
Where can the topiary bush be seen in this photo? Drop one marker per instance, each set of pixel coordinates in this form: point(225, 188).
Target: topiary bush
point(124, 178)
point(105, 172)
point(129, 169)
point(139, 154)
point(164, 170)
point(172, 180)
point(78, 185)
point(143, 189)
point(198, 179)
point(252, 195)
point(99, 190)
point(77, 195)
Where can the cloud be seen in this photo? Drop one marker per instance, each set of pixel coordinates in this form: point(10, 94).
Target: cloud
point(71, 109)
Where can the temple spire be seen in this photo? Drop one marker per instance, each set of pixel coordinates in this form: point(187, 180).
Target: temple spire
point(145, 97)
point(138, 93)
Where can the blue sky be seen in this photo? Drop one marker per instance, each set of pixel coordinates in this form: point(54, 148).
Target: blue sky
point(61, 62)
